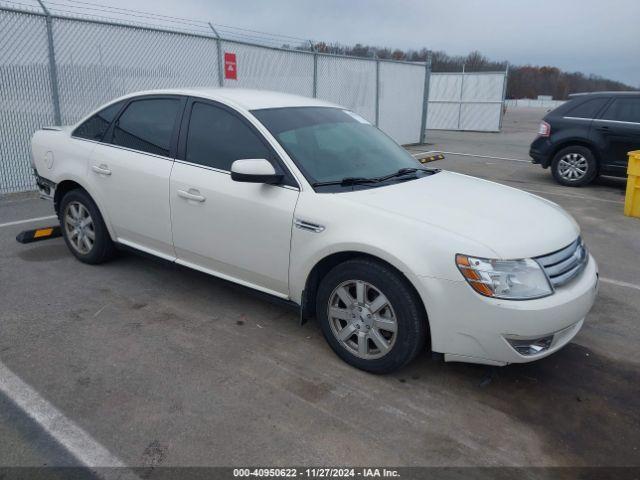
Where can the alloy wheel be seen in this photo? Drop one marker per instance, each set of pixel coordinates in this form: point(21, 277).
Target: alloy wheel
point(573, 167)
point(362, 319)
point(79, 227)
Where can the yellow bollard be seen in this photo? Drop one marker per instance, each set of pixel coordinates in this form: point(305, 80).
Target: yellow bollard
point(632, 198)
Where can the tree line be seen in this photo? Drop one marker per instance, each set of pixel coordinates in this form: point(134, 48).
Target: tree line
point(524, 81)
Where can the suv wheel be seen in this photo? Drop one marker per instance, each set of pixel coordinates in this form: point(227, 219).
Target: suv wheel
point(574, 166)
point(370, 316)
point(83, 229)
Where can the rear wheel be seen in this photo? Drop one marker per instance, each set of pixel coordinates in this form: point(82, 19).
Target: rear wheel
point(574, 166)
point(370, 316)
point(83, 228)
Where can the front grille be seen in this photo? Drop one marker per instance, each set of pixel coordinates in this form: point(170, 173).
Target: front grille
point(565, 264)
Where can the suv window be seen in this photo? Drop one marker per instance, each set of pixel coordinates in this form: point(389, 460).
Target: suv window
point(217, 138)
point(624, 110)
point(96, 126)
point(147, 125)
point(587, 109)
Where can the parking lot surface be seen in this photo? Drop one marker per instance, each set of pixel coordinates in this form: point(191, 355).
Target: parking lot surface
point(166, 366)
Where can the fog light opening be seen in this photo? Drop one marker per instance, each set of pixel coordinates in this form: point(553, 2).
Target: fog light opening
point(531, 346)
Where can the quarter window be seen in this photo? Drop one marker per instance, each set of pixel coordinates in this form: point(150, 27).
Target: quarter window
point(147, 125)
point(623, 110)
point(588, 109)
point(217, 138)
point(96, 126)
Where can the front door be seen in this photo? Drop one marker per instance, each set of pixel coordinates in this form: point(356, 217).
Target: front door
point(619, 126)
point(237, 231)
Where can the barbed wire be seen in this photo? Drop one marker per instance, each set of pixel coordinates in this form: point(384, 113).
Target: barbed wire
point(52, 5)
point(170, 17)
point(85, 10)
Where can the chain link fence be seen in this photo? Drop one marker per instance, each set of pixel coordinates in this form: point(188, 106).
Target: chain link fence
point(271, 69)
point(99, 62)
point(466, 101)
point(25, 95)
point(55, 69)
point(400, 116)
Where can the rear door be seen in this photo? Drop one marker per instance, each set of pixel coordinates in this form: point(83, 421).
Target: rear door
point(619, 130)
point(238, 231)
point(130, 172)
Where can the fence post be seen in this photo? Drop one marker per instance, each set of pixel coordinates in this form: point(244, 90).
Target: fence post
point(377, 90)
point(315, 69)
point(220, 59)
point(53, 70)
point(504, 94)
point(461, 93)
point(425, 99)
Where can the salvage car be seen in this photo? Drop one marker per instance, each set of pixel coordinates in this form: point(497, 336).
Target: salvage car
point(309, 202)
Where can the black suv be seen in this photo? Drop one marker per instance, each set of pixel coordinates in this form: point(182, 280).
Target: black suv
point(589, 135)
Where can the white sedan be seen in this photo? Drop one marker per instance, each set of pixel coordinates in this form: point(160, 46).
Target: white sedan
point(307, 201)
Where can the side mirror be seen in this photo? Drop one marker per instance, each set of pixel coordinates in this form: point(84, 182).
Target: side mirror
point(256, 170)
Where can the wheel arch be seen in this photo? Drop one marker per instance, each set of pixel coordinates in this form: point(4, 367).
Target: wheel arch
point(325, 264)
point(576, 142)
point(67, 185)
point(62, 189)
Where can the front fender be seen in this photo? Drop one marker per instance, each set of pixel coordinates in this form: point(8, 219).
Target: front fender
point(414, 248)
point(300, 270)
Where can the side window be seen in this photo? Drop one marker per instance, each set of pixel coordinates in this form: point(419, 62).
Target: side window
point(96, 126)
point(624, 110)
point(147, 125)
point(587, 109)
point(217, 138)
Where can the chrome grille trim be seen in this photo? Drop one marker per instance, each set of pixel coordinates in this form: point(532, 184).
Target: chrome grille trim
point(565, 264)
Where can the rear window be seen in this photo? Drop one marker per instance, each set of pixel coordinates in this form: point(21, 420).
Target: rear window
point(587, 109)
point(96, 126)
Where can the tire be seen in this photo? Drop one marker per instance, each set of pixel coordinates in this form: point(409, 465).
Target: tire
point(77, 204)
point(574, 166)
point(367, 336)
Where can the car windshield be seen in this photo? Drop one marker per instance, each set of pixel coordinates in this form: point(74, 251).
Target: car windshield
point(338, 147)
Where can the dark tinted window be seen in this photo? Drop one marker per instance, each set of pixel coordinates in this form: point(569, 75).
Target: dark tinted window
point(96, 126)
point(217, 138)
point(624, 110)
point(587, 109)
point(147, 125)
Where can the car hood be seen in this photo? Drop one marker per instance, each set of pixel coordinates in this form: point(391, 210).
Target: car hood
point(510, 222)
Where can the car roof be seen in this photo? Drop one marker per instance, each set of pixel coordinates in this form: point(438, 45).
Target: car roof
point(240, 97)
point(604, 94)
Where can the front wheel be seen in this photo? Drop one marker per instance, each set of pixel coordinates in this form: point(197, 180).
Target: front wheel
point(574, 166)
point(370, 315)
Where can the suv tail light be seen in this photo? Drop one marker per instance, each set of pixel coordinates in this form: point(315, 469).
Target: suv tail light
point(544, 130)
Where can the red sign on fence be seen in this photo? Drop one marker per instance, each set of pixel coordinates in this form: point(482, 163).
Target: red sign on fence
point(230, 66)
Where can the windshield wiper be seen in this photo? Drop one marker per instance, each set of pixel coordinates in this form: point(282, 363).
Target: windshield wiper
point(361, 180)
point(400, 173)
point(346, 181)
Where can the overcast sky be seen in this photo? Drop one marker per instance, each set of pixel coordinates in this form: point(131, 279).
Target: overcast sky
point(591, 36)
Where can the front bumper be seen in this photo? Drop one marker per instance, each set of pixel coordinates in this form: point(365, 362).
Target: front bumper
point(468, 327)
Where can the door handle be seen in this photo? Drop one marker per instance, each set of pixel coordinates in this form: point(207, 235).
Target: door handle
point(101, 170)
point(602, 128)
point(192, 194)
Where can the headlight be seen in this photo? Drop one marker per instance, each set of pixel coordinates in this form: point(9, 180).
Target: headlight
point(509, 279)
